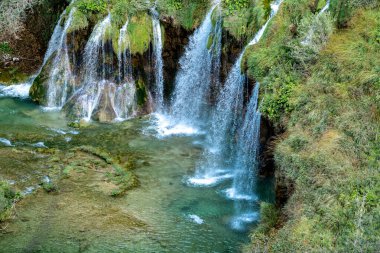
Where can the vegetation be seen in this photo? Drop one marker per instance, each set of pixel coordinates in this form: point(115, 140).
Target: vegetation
point(140, 33)
point(12, 15)
point(242, 22)
point(186, 13)
point(322, 92)
point(7, 199)
point(5, 48)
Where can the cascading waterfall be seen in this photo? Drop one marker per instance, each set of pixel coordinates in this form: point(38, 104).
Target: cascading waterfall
point(158, 62)
point(99, 94)
point(325, 8)
point(218, 159)
point(60, 83)
point(216, 47)
point(124, 55)
point(246, 165)
point(22, 90)
point(89, 94)
point(194, 77)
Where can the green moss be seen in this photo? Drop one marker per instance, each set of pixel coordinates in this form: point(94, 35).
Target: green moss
point(5, 48)
point(187, 14)
point(141, 92)
point(92, 6)
point(140, 33)
point(38, 92)
point(244, 23)
point(122, 176)
point(79, 22)
point(120, 12)
point(7, 199)
point(12, 76)
point(210, 41)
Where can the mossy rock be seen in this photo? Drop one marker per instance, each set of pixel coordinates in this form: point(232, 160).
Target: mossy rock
point(140, 33)
point(11, 76)
point(141, 92)
point(39, 87)
point(79, 22)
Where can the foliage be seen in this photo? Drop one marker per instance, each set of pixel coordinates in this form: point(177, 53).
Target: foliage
point(141, 92)
point(7, 199)
point(330, 151)
point(94, 6)
point(314, 32)
point(244, 23)
point(231, 6)
point(5, 48)
point(79, 21)
point(186, 13)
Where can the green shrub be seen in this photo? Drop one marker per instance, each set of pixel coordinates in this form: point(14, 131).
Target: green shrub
point(7, 199)
point(94, 6)
point(230, 6)
point(5, 48)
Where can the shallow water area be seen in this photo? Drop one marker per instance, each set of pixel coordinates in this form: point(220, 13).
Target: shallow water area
point(163, 214)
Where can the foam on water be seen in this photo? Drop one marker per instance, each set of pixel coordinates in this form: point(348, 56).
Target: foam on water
point(233, 194)
point(196, 219)
point(16, 90)
point(165, 126)
point(209, 180)
point(39, 145)
point(239, 222)
point(6, 142)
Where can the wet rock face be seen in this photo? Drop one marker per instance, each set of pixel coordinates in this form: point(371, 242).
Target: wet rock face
point(175, 41)
point(105, 112)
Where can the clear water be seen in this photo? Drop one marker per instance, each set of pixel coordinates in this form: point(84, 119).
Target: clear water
point(162, 215)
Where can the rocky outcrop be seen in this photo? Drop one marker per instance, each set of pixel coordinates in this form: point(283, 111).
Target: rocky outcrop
point(28, 48)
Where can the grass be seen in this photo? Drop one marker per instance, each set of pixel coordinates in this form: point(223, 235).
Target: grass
point(329, 154)
point(243, 23)
point(186, 13)
point(7, 199)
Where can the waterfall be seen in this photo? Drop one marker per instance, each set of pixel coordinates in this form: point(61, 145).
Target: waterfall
point(60, 80)
point(248, 145)
point(325, 8)
point(158, 62)
point(193, 80)
point(218, 159)
point(99, 96)
point(87, 98)
point(124, 55)
point(246, 166)
point(189, 102)
point(22, 90)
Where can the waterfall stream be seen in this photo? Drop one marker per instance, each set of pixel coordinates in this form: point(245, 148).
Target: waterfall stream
point(60, 83)
point(217, 163)
point(124, 55)
point(189, 103)
point(100, 96)
point(158, 62)
point(246, 165)
point(224, 158)
point(22, 90)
